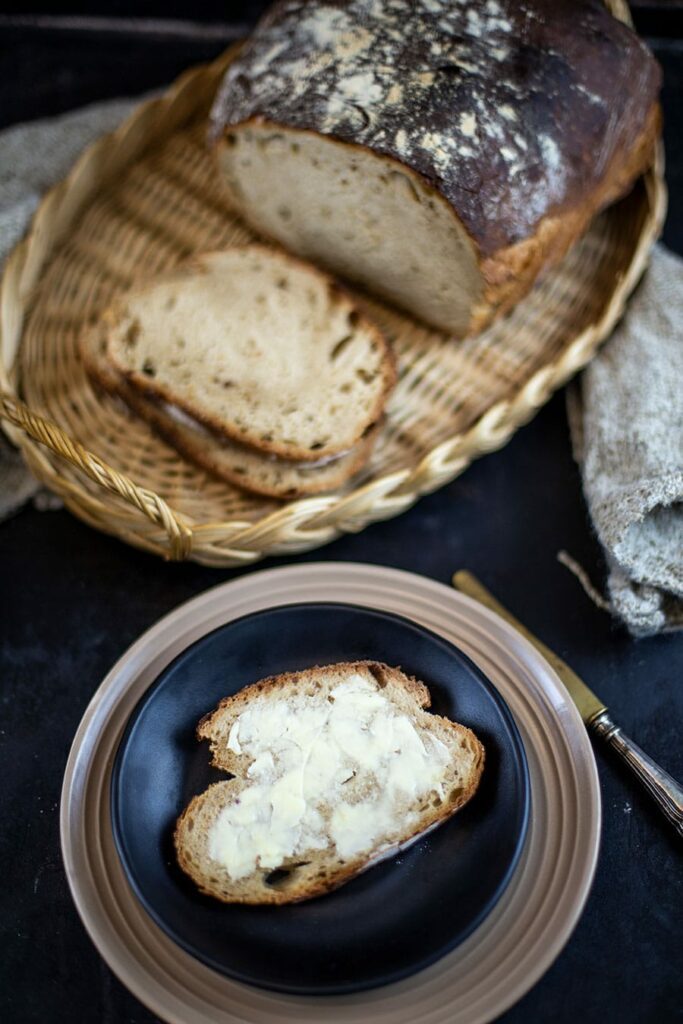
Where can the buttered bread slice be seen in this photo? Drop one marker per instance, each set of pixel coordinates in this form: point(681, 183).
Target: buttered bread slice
point(335, 768)
point(259, 348)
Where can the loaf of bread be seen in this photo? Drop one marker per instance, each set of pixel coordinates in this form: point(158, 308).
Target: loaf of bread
point(440, 153)
point(253, 365)
point(335, 768)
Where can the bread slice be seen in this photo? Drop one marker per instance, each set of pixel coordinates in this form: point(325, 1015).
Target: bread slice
point(335, 768)
point(260, 348)
point(237, 464)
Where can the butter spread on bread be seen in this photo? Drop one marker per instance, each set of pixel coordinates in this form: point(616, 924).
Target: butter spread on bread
point(335, 768)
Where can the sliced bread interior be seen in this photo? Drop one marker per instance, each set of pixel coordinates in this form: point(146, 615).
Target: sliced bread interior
point(245, 467)
point(334, 768)
point(359, 215)
point(260, 348)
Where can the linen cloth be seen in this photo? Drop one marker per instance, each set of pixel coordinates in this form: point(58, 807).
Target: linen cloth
point(33, 157)
point(626, 417)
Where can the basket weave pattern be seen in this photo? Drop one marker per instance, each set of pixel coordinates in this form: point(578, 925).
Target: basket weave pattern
point(147, 196)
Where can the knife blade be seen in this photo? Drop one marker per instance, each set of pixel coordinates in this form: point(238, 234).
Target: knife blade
point(662, 787)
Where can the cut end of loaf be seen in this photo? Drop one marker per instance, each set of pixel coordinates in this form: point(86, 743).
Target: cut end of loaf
point(363, 216)
point(335, 768)
point(345, 123)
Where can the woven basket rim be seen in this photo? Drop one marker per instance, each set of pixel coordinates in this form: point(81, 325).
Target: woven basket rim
point(299, 524)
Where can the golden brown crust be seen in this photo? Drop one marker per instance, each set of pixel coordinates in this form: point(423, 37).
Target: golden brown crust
point(321, 480)
point(221, 428)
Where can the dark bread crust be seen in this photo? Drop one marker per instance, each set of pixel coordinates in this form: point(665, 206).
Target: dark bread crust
point(510, 273)
point(309, 881)
point(525, 121)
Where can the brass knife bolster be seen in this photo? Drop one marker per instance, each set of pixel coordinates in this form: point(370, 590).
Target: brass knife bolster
point(586, 701)
point(661, 786)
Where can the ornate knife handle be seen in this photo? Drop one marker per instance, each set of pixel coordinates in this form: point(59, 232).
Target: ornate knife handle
point(664, 789)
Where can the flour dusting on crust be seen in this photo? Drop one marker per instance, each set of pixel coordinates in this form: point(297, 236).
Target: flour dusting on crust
point(509, 108)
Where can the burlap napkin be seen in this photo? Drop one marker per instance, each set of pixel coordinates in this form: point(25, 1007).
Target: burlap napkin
point(32, 158)
point(627, 422)
point(626, 416)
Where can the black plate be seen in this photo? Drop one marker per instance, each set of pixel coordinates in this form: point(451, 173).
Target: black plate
point(392, 920)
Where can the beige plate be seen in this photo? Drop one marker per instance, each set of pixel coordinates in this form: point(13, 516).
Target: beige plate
point(499, 962)
point(140, 200)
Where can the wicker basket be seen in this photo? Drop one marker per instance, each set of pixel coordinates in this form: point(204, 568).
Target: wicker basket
point(143, 198)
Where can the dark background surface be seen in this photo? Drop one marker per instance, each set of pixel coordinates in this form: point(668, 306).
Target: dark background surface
point(72, 600)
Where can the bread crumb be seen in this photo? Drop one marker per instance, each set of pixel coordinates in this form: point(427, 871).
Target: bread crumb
point(468, 125)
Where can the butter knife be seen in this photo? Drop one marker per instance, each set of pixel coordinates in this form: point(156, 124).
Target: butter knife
point(664, 789)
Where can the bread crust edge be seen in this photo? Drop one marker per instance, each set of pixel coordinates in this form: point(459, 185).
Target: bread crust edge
point(508, 274)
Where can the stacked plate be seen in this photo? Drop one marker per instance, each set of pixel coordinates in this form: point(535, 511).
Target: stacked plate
point(534, 825)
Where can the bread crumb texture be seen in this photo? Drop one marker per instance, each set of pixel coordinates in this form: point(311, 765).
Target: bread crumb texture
point(334, 768)
point(258, 347)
